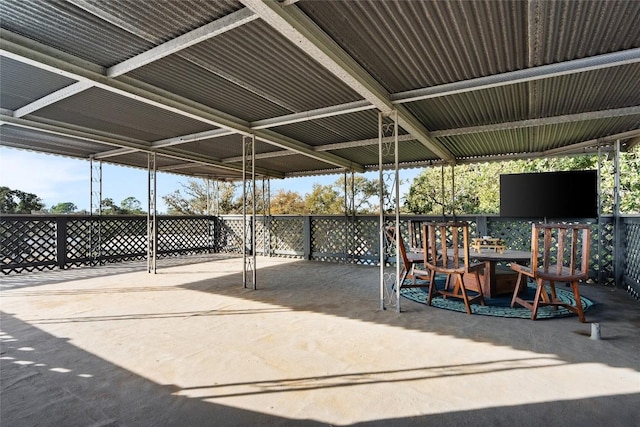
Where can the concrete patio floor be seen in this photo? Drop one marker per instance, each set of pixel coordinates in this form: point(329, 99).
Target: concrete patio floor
point(188, 346)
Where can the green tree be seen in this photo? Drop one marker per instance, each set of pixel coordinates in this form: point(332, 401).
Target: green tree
point(18, 202)
point(131, 205)
point(324, 200)
point(193, 199)
point(476, 188)
point(287, 202)
point(109, 207)
point(63, 208)
point(363, 191)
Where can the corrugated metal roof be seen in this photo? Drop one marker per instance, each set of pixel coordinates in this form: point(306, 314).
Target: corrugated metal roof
point(29, 139)
point(166, 19)
point(107, 112)
point(616, 87)
point(361, 52)
point(577, 29)
point(72, 30)
point(21, 84)
point(198, 83)
point(263, 60)
point(408, 45)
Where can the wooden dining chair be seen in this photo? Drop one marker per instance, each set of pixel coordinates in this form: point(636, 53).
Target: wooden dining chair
point(559, 253)
point(446, 251)
point(409, 261)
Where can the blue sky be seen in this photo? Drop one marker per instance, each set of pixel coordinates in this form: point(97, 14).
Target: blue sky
point(58, 179)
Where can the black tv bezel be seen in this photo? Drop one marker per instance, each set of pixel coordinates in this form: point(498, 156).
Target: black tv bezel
point(554, 195)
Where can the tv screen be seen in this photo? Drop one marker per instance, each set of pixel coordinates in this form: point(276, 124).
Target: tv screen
point(572, 194)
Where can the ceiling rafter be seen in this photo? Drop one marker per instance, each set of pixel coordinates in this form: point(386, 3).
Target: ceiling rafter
point(198, 35)
point(123, 143)
point(508, 78)
point(294, 25)
point(555, 120)
point(36, 54)
point(598, 62)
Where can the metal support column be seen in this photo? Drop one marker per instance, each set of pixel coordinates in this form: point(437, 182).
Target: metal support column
point(618, 235)
point(212, 212)
point(248, 226)
point(95, 226)
point(388, 149)
point(600, 272)
point(152, 221)
point(266, 216)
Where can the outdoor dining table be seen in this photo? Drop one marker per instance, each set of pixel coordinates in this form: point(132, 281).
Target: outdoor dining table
point(496, 279)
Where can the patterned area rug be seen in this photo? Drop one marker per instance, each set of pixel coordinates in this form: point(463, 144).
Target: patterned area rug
point(499, 306)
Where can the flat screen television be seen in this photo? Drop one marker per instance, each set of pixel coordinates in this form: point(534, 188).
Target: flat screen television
point(572, 194)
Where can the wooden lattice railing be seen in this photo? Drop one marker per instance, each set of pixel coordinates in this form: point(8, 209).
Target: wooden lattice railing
point(41, 242)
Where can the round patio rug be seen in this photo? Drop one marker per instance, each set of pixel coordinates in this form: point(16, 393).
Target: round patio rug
point(499, 306)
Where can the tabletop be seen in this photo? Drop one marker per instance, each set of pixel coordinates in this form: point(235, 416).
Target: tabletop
point(506, 255)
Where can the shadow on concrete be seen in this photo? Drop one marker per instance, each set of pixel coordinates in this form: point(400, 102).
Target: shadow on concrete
point(48, 381)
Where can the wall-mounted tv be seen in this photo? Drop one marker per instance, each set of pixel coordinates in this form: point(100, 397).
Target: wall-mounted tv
point(572, 194)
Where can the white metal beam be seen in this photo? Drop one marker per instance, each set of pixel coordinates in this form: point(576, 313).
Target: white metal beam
point(299, 29)
point(198, 35)
point(320, 113)
point(52, 98)
point(555, 120)
point(615, 59)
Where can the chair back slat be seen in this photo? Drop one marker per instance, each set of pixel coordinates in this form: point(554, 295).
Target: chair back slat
point(446, 245)
point(564, 249)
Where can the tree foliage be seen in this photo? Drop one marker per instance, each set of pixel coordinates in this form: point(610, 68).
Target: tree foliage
point(63, 208)
point(288, 202)
point(476, 190)
point(18, 202)
point(129, 206)
point(324, 200)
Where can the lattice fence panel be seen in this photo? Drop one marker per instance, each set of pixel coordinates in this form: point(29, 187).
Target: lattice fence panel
point(123, 238)
point(287, 236)
point(601, 259)
point(183, 236)
point(262, 235)
point(78, 241)
point(28, 245)
point(328, 239)
point(229, 236)
point(364, 246)
point(632, 267)
point(516, 234)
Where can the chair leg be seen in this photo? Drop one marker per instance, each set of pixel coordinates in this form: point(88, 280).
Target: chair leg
point(463, 291)
point(539, 290)
point(576, 294)
point(481, 294)
point(516, 291)
point(432, 284)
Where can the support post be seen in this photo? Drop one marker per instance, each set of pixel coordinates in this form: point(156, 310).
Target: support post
point(618, 248)
point(152, 221)
point(389, 283)
point(266, 216)
point(600, 272)
point(95, 223)
point(248, 212)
